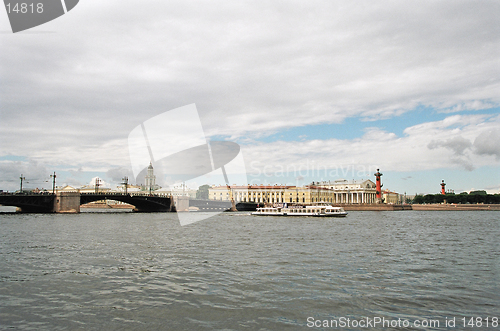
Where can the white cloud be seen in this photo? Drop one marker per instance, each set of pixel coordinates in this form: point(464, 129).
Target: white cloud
point(34, 174)
point(487, 143)
point(457, 144)
point(253, 68)
point(432, 145)
point(250, 66)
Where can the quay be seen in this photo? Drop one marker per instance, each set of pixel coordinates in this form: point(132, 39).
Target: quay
point(430, 207)
point(70, 202)
point(465, 207)
point(373, 207)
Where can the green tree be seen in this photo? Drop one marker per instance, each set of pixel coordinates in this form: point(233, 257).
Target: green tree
point(439, 198)
point(202, 192)
point(429, 198)
point(481, 192)
point(418, 199)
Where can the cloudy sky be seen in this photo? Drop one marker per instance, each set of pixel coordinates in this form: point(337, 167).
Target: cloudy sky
point(310, 90)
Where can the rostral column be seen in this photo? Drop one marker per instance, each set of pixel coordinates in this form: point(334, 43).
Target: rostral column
point(378, 193)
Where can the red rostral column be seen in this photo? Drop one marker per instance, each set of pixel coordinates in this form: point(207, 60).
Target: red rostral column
point(442, 187)
point(379, 185)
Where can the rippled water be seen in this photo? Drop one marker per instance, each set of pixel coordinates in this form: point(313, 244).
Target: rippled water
point(127, 271)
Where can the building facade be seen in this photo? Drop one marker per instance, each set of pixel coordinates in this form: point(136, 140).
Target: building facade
point(391, 197)
point(342, 191)
point(351, 191)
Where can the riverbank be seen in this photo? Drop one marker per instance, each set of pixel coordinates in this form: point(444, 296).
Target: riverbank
point(356, 207)
point(373, 207)
point(436, 207)
point(456, 207)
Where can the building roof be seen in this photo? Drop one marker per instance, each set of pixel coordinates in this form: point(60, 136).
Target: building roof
point(262, 187)
point(343, 182)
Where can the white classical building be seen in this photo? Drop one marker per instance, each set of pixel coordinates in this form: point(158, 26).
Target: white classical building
point(351, 191)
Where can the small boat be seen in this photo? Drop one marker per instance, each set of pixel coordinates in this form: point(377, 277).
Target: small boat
point(320, 209)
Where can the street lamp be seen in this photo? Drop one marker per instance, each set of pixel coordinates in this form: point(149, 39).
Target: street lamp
point(97, 184)
point(125, 182)
point(53, 182)
point(21, 187)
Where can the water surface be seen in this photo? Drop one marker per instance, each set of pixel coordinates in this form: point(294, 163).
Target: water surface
point(129, 271)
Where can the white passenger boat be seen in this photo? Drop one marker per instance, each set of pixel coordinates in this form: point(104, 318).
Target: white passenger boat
point(317, 210)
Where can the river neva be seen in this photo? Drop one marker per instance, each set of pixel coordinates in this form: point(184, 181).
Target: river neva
point(234, 271)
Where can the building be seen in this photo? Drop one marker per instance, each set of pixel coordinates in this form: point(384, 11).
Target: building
point(351, 191)
point(177, 191)
point(182, 190)
point(340, 191)
point(390, 197)
point(96, 185)
point(250, 193)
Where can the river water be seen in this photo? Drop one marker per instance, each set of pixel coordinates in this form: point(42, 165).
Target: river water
point(234, 271)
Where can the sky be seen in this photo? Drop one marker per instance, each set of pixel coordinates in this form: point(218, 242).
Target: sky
point(310, 90)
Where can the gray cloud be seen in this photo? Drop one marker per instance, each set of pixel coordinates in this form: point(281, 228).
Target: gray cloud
point(116, 175)
point(35, 174)
point(252, 68)
point(464, 162)
point(457, 144)
point(488, 143)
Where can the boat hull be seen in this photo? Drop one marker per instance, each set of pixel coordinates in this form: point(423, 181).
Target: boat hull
point(301, 214)
point(319, 210)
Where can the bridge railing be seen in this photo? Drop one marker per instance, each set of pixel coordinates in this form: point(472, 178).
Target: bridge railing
point(87, 193)
point(26, 193)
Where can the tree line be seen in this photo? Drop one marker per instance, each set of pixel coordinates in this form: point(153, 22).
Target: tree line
point(463, 198)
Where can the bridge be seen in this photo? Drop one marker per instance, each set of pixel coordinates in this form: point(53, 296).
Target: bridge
point(70, 202)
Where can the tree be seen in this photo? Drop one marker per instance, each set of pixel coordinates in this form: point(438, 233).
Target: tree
point(202, 192)
point(418, 199)
point(464, 197)
point(429, 198)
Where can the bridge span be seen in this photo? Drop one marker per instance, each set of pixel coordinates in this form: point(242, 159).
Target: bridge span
point(70, 202)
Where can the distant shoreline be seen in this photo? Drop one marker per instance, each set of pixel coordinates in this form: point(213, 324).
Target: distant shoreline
point(430, 207)
point(348, 207)
point(456, 207)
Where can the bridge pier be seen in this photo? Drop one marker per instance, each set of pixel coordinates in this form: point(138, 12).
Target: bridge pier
point(181, 203)
point(67, 202)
